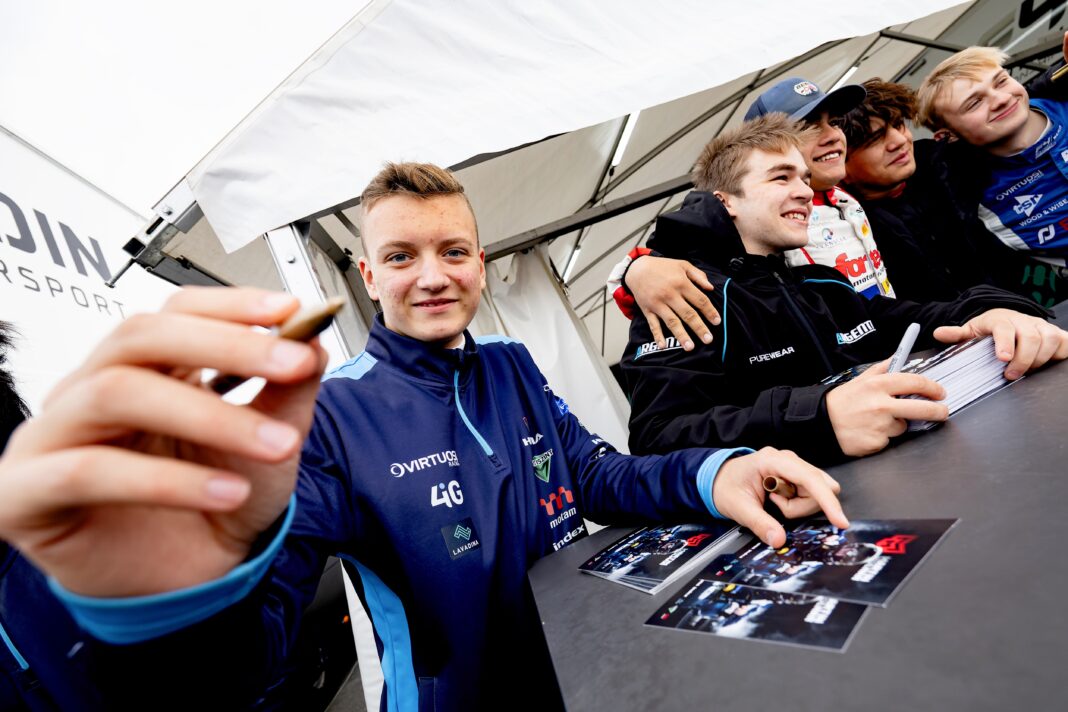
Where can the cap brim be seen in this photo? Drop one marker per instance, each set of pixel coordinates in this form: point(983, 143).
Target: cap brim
point(837, 103)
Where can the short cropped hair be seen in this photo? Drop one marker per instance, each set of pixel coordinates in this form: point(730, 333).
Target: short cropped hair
point(722, 164)
point(967, 64)
point(894, 103)
point(417, 180)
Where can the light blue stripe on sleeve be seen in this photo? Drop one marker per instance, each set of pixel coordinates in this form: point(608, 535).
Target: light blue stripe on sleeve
point(138, 618)
point(706, 475)
point(495, 339)
point(355, 369)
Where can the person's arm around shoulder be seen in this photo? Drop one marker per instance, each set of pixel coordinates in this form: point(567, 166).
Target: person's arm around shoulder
point(668, 290)
point(135, 479)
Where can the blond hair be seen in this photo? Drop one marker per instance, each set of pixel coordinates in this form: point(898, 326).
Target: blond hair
point(722, 164)
point(967, 64)
point(416, 180)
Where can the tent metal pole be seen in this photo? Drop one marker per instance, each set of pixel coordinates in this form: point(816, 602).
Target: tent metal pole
point(590, 216)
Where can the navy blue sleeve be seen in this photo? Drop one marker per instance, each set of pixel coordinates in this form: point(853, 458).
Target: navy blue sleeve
point(233, 635)
point(627, 489)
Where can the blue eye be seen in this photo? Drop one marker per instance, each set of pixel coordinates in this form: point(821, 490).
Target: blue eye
point(455, 252)
point(397, 258)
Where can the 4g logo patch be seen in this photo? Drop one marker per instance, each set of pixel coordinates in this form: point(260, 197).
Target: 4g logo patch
point(447, 494)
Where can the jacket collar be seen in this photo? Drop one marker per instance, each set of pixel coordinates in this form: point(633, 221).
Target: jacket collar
point(420, 359)
point(702, 230)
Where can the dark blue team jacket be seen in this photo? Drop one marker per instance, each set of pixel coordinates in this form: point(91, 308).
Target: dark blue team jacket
point(442, 475)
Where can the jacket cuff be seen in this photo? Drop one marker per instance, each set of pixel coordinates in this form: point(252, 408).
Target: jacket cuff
point(706, 475)
point(135, 619)
point(808, 425)
point(617, 285)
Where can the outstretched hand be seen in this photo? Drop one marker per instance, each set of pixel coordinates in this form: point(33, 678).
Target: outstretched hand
point(738, 492)
point(135, 478)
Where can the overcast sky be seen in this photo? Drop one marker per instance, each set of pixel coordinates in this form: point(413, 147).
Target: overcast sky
point(132, 94)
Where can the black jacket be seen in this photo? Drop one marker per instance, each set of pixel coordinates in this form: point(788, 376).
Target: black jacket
point(782, 331)
point(932, 241)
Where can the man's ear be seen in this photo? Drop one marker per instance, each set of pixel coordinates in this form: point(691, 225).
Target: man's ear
point(368, 278)
point(945, 135)
point(482, 269)
point(727, 200)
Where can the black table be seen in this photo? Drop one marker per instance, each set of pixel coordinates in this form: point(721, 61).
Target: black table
point(982, 625)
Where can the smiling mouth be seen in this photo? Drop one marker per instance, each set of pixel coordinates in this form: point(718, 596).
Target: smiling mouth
point(901, 159)
point(832, 156)
point(798, 216)
point(435, 303)
point(1007, 111)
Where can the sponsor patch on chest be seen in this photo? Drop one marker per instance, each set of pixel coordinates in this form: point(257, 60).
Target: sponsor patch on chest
point(771, 355)
point(856, 333)
point(460, 538)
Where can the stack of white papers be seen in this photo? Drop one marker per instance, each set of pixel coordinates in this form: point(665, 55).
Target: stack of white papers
point(968, 371)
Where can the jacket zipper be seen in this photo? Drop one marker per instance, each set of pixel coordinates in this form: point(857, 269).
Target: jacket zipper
point(804, 322)
point(471, 428)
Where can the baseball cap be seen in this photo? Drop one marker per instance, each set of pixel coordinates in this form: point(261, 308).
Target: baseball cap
point(801, 98)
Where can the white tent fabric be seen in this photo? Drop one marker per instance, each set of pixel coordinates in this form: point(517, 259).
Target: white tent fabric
point(445, 81)
point(529, 303)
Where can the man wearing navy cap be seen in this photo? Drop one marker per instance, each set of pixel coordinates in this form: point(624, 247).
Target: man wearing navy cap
point(839, 234)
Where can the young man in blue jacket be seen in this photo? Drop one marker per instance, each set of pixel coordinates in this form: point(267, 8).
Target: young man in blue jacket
point(180, 534)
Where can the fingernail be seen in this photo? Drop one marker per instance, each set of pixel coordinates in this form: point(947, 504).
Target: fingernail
point(770, 536)
point(287, 354)
point(278, 437)
point(707, 338)
point(277, 300)
point(716, 321)
point(1011, 375)
point(688, 346)
point(227, 489)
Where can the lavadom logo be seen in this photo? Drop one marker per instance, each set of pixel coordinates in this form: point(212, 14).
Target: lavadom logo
point(460, 538)
point(445, 457)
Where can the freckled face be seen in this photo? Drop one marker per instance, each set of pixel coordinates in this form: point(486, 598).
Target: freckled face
point(424, 266)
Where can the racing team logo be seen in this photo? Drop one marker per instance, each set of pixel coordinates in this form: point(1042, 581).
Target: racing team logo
point(542, 465)
point(805, 88)
point(896, 544)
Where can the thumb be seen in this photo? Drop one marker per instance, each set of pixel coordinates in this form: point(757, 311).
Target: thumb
point(699, 278)
point(751, 515)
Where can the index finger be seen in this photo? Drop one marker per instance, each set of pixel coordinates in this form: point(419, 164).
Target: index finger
point(814, 482)
point(245, 305)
